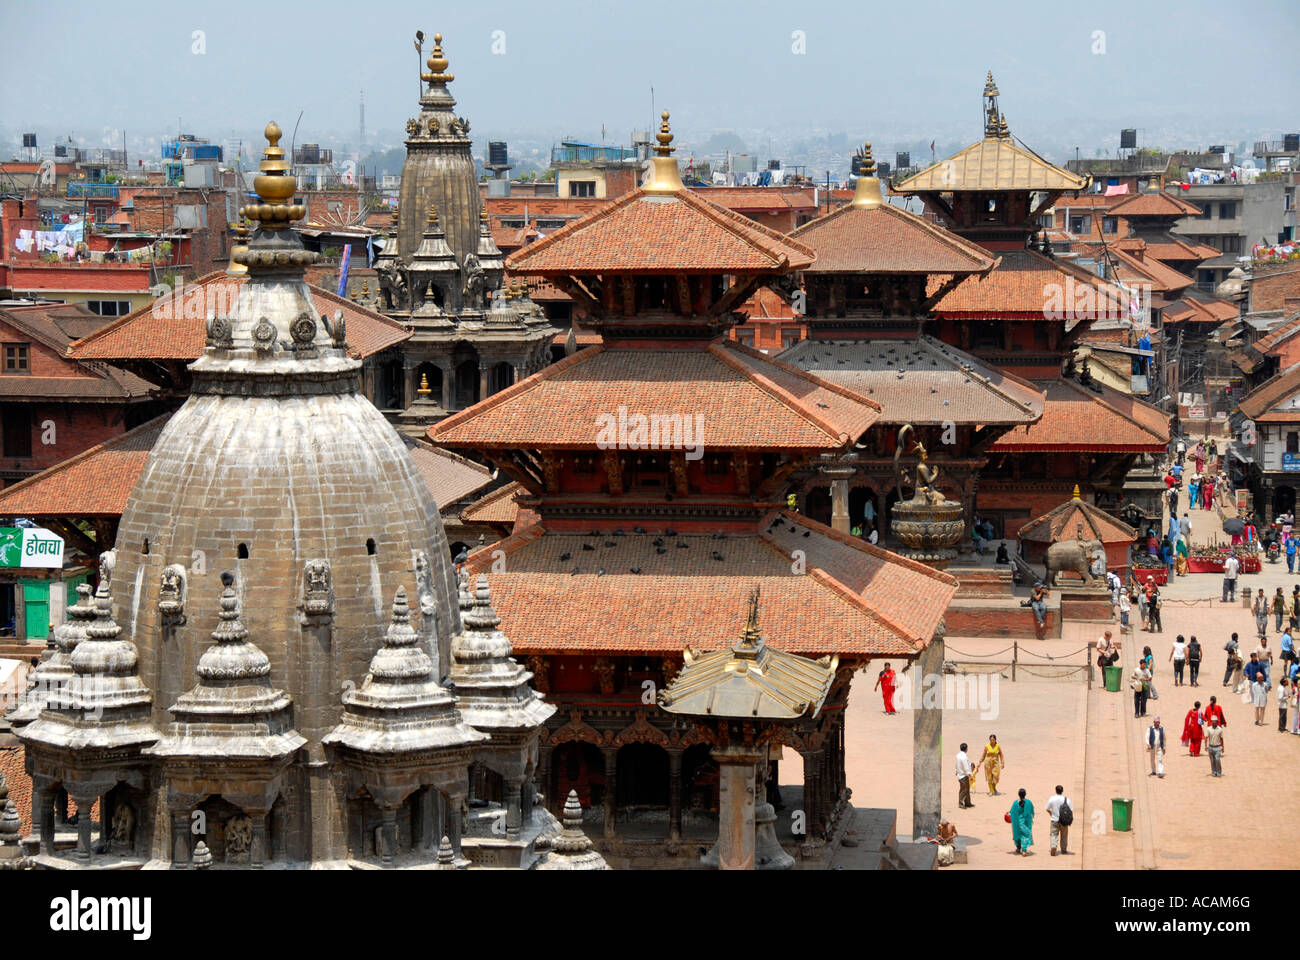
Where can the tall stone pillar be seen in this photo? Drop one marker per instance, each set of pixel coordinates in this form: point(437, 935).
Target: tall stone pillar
point(483, 371)
point(514, 807)
point(839, 477)
point(927, 731)
point(258, 854)
point(43, 816)
point(736, 805)
point(544, 773)
point(182, 855)
point(84, 801)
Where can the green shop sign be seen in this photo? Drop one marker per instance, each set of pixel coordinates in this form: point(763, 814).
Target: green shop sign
point(30, 547)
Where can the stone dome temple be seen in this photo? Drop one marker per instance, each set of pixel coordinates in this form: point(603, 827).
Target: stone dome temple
point(254, 677)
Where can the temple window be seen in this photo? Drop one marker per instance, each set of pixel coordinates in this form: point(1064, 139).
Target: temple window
point(16, 358)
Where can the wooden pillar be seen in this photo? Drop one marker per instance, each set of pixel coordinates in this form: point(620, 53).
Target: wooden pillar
point(675, 795)
point(611, 789)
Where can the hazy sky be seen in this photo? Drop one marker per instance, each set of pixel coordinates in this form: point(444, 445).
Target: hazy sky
point(570, 65)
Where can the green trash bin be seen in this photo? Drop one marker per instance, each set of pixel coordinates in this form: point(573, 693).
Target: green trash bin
point(1112, 678)
point(1121, 813)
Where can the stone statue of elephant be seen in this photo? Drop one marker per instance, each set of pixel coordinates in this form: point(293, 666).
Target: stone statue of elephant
point(1076, 555)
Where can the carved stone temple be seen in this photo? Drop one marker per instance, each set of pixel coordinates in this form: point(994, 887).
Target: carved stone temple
point(275, 670)
point(441, 274)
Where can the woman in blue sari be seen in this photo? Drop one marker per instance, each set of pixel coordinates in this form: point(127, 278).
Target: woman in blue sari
point(1022, 824)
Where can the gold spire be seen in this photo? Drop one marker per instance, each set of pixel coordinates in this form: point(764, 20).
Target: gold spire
point(752, 635)
point(990, 88)
point(433, 216)
point(275, 187)
point(991, 108)
point(365, 288)
point(664, 177)
point(424, 390)
point(437, 64)
point(1004, 132)
point(1076, 491)
point(868, 195)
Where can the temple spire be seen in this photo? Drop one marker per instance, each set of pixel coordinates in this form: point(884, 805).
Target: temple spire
point(664, 176)
point(868, 194)
point(991, 114)
point(437, 64)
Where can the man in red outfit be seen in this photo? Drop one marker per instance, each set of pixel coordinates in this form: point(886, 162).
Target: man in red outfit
point(885, 683)
point(1193, 733)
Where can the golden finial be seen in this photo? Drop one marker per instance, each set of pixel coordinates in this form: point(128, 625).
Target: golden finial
point(275, 186)
point(235, 268)
point(1003, 131)
point(664, 136)
point(424, 390)
point(752, 636)
point(365, 288)
point(990, 88)
point(437, 64)
point(433, 216)
point(393, 215)
point(867, 194)
point(665, 177)
point(1076, 491)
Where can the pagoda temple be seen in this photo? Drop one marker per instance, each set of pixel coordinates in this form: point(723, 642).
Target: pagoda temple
point(653, 467)
point(1026, 316)
point(441, 274)
point(254, 687)
point(870, 296)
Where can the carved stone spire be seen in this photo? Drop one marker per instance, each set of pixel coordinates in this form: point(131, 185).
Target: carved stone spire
point(572, 849)
point(491, 688)
point(233, 710)
point(104, 705)
point(400, 707)
point(52, 674)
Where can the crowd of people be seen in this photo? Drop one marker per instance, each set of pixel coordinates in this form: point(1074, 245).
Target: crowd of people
point(1021, 815)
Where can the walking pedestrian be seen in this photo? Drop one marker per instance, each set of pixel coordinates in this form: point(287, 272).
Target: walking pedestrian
point(1279, 608)
point(1185, 527)
point(1022, 824)
point(1062, 817)
point(1261, 614)
point(1149, 662)
point(1254, 672)
point(1214, 745)
point(1153, 606)
point(1287, 653)
point(1283, 698)
point(1194, 490)
point(1155, 741)
point(1125, 607)
point(993, 759)
point(1193, 731)
point(1140, 682)
point(1295, 606)
point(1179, 656)
point(885, 684)
point(1214, 710)
point(1232, 648)
point(1265, 654)
point(1230, 568)
point(1290, 555)
point(1193, 660)
point(965, 770)
point(1143, 612)
point(1181, 450)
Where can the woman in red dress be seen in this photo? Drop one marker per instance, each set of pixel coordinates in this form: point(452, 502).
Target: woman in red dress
point(1193, 733)
point(885, 683)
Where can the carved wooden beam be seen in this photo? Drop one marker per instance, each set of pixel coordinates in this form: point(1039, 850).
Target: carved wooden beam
point(739, 292)
point(70, 532)
point(581, 296)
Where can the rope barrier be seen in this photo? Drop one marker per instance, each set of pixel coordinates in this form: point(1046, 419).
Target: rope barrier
point(993, 654)
point(1053, 675)
point(1048, 656)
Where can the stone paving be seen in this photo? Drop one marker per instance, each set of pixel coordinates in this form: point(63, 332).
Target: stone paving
point(1059, 731)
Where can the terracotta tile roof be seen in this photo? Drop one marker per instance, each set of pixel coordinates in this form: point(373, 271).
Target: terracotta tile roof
point(81, 382)
point(767, 304)
point(1076, 418)
point(994, 163)
point(453, 477)
point(147, 335)
point(533, 207)
point(1200, 309)
point(1173, 249)
point(746, 401)
point(1061, 523)
point(97, 482)
point(661, 233)
point(1019, 288)
point(498, 507)
point(1164, 279)
point(1277, 336)
point(1259, 403)
point(863, 600)
point(1154, 205)
point(888, 239)
point(921, 381)
point(94, 483)
point(760, 199)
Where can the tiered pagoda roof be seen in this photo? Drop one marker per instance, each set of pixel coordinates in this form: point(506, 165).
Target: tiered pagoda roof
point(1063, 522)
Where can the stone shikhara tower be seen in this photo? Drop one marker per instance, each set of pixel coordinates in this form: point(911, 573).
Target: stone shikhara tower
point(255, 603)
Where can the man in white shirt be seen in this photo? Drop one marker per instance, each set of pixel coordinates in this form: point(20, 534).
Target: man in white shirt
point(1230, 568)
point(965, 770)
point(1060, 831)
point(873, 536)
point(1155, 743)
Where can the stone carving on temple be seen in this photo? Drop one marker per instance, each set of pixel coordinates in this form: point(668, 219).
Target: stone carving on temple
point(171, 595)
point(927, 523)
point(317, 592)
point(123, 835)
